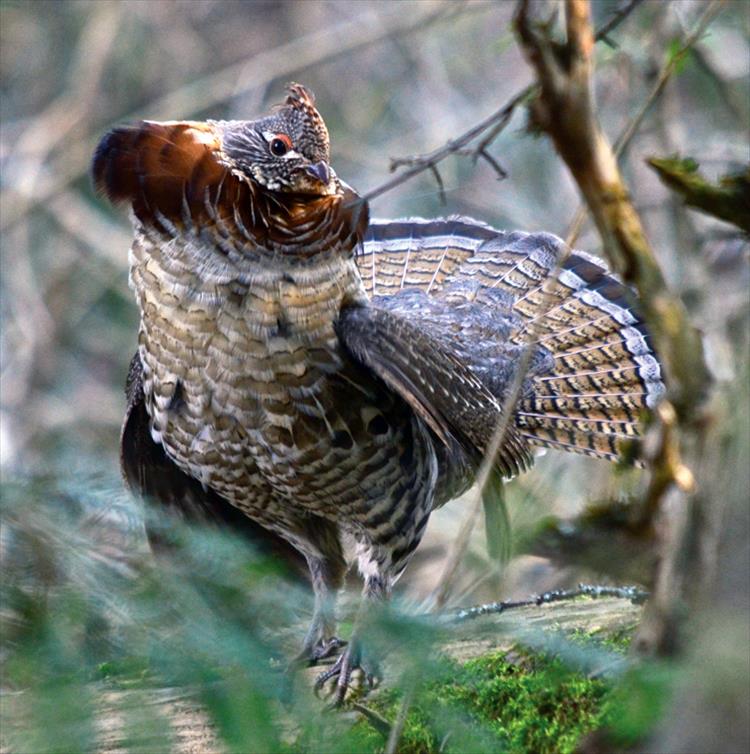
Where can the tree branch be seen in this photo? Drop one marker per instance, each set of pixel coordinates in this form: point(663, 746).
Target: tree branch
point(625, 137)
point(729, 200)
point(491, 127)
point(564, 109)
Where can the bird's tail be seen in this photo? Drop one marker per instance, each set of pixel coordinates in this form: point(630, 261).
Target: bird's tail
point(604, 371)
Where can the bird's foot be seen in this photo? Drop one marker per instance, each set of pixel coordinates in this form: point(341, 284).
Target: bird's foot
point(317, 651)
point(351, 659)
point(312, 653)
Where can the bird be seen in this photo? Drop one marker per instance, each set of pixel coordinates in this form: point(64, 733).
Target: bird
point(323, 381)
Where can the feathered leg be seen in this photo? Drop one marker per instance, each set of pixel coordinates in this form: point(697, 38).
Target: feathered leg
point(355, 656)
point(327, 576)
point(325, 559)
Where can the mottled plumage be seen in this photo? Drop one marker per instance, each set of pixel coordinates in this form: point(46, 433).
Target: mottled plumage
point(330, 377)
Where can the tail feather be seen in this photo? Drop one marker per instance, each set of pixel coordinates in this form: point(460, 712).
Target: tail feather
point(407, 254)
point(621, 427)
point(602, 371)
point(612, 380)
point(558, 340)
point(608, 447)
point(601, 407)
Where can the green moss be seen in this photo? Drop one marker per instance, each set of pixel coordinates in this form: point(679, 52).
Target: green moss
point(494, 704)
point(617, 641)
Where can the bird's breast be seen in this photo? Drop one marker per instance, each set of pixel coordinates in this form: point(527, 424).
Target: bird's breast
point(243, 372)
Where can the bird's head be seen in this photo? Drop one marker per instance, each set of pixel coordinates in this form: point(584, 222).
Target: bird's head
point(287, 151)
point(178, 174)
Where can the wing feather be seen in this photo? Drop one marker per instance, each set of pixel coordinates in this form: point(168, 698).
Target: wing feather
point(431, 377)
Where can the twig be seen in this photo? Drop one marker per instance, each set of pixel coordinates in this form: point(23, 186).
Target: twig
point(374, 718)
point(617, 18)
point(729, 200)
point(461, 542)
point(633, 593)
point(419, 163)
point(439, 181)
point(400, 721)
point(625, 137)
point(491, 126)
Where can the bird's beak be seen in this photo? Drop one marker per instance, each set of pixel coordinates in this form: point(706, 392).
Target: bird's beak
point(320, 171)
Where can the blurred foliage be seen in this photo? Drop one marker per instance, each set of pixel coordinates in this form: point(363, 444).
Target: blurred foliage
point(97, 643)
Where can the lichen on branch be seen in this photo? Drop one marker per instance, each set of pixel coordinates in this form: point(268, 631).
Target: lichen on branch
point(728, 200)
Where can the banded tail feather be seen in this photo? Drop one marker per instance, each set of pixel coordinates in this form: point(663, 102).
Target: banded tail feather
point(598, 371)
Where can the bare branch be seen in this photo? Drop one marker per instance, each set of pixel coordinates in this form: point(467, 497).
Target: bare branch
point(564, 109)
point(492, 126)
point(617, 18)
point(439, 181)
point(728, 200)
point(507, 410)
point(419, 163)
point(627, 134)
point(632, 593)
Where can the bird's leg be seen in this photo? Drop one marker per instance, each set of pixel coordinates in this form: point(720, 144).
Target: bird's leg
point(320, 641)
point(320, 542)
point(327, 576)
point(377, 590)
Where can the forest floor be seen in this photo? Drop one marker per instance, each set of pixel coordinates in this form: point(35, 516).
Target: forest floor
point(479, 654)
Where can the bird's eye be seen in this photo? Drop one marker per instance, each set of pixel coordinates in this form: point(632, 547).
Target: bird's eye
point(280, 145)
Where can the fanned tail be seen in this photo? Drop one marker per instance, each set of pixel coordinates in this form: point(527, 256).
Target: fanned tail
point(602, 369)
point(416, 253)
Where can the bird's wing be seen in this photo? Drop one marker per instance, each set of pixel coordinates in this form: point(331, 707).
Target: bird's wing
point(150, 473)
point(431, 377)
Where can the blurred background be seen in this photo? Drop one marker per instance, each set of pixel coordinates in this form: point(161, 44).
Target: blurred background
point(392, 79)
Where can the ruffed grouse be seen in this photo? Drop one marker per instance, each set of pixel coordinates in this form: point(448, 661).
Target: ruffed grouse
point(309, 371)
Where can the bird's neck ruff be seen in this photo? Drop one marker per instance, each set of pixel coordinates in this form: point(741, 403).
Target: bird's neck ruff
point(178, 184)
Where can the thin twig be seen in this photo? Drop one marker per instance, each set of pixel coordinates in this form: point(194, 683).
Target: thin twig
point(439, 181)
point(491, 126)
point(617, 18)
point(461, 542)
point(420, 163)
point(398, 724)
point(632, 593)
point(374, 718)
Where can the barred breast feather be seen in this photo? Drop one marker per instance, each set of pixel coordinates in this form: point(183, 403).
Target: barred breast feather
point(490, 294)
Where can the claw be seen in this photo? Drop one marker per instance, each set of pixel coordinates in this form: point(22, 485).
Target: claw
point(348, 661)
point(312, 655)
point(309, 656)
point(325, 648)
